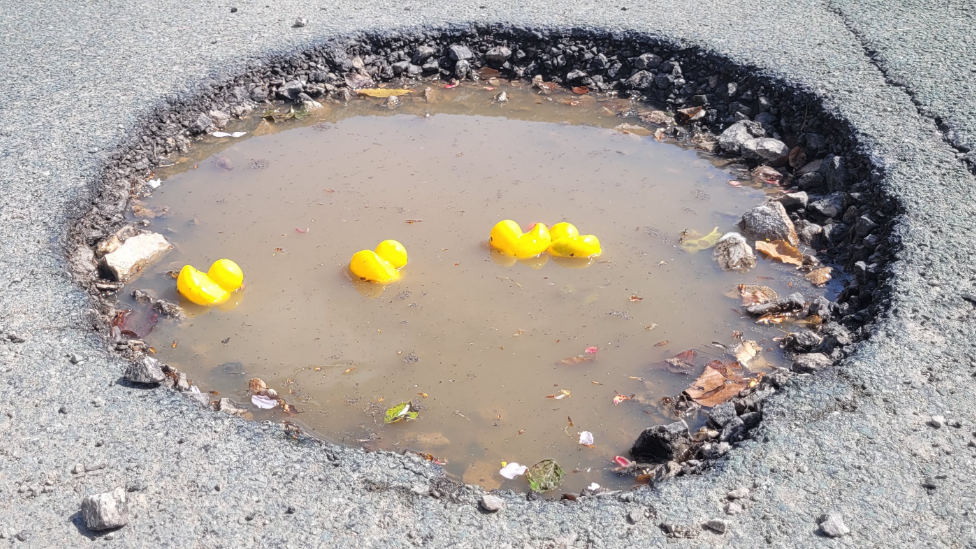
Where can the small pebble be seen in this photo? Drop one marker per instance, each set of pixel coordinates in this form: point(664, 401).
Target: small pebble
point(832, 525)
point(937, 421)
point(300, 22)
point(716, 525)
point(738, 493)
point(233, 10)
point(491, 503)
point(635, 516)
point(78, 469)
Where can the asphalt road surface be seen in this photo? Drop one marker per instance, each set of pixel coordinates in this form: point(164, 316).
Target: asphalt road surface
point(855, 440)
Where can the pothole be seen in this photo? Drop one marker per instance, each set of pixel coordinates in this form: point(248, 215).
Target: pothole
point(505, 361)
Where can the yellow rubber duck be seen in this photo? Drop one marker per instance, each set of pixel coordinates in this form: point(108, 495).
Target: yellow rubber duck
point(567, 242)
point(212, 287)
point(381, 265)
point(507, 237)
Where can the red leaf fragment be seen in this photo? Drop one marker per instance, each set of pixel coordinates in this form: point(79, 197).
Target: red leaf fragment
point(138, 322)
point(581, 90)
point(302, 231)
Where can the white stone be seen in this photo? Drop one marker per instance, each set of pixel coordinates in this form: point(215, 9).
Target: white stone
point(132, 257)
point(733, 253)
point(492, 503)
point(105, 511)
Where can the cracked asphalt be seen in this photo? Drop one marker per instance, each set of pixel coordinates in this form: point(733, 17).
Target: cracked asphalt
point(853, 440)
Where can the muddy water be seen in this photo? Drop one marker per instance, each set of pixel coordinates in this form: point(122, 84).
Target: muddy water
point(476, 342)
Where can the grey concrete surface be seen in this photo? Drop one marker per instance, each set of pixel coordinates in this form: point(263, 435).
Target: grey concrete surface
point(77, 75)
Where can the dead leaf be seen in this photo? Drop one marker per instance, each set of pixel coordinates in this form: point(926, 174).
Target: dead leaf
point(767, 175)
point(819, 277)
point(581, 90)
point(661, 343)
point(754, 294)
point(658, 118)
point(138, 322)
point(650, 327)
point(773, 318)
point(797, 157)
point(358, 79)
point(577, 359)
point(636, 298)
point(256, 385)
point(617, 399)
point(780, 250)
point(692, 241)
point(561, 394)
point(487, 72)
point(412, 221)
point(633, 129)
point(596, 383)
point(746, 351)
point(424, 395)
point(691, 113)
point(720, 382)
point(349, 370)
point(380, 92)
point(683, 362)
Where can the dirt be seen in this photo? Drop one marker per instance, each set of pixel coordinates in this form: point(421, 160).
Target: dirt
point(478, 342)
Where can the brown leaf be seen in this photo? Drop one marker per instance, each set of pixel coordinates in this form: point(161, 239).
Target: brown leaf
point(256, 385)
point(683, 362)
point(780, 250)
point(797, 157)
point(137, 322)
point(746, 351)
point(720, 382)
point(581, 90)
point(412, 221)
point(754, 294)
point(767, 175)
point(661, 343)
point(633, 128)
point(577, 359)
point(487, 72)
point(691, 113)
point(819, 277)
point(773, 318)
point(636, 298)
point(658, 118)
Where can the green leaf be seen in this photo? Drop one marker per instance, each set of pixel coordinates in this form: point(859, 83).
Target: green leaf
point(692, 241)
point(399, 412)
point(545, 475)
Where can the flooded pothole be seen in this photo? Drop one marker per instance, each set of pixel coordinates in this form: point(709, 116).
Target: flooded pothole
point(505, 360)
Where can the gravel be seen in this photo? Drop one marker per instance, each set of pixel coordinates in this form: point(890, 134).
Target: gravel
point(80, 76)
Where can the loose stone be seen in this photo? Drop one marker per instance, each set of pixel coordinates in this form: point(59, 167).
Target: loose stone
point(738, 493)
point(635, 516)
point(733, 253)
point(146, 370)
point(661, 443)
point(105, 511)
point(492, 503)
point(136, 254)
point(769, 221)
point(937, 421)
point(228, 406)
point(718, 526)
point(809, 363)
point(773, 151)
point(832, 524)
point(497, 56)
point(732, 139)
